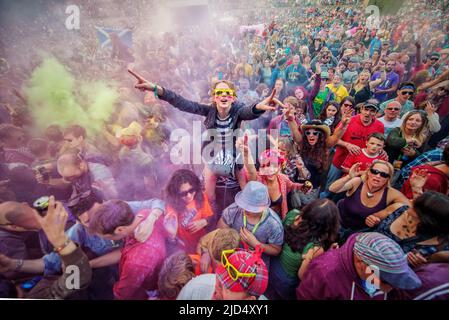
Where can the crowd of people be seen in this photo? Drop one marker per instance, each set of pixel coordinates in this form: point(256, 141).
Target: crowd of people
point(324, 167)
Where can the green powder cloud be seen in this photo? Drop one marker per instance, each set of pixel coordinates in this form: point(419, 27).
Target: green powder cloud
point(56, 97)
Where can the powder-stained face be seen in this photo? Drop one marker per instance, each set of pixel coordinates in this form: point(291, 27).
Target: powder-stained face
point(223, 97)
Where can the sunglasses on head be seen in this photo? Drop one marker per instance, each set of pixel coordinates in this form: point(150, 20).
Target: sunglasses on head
point(315, 133)
point(381, 173)
point(410, 93)
point(226, 92)
point(232, 271)
point(185, 193)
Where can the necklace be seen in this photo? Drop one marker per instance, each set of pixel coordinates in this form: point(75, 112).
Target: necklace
point(370, 194)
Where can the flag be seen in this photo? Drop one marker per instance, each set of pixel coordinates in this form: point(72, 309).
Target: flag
point(104, 36)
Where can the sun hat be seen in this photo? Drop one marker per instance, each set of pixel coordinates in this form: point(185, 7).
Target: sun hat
point(254, 197)
point(318, 125)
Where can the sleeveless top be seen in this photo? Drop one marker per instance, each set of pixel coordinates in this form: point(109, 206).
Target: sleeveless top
point(353, 212)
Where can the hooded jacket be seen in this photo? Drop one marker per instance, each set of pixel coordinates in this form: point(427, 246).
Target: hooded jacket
point(332, 276)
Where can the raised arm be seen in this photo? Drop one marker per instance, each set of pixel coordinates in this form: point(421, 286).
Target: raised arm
point(174, 99)
point(340, 130)
point(349, 182)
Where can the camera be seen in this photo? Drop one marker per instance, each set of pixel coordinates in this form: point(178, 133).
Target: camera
point(41, 205)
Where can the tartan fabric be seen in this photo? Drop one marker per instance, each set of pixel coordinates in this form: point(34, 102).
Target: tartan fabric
point(254, 286)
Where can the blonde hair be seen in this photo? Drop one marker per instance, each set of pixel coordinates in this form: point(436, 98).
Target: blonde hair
point(224, 239)
point(385, 163)
point(420, 133)
point(357, 81)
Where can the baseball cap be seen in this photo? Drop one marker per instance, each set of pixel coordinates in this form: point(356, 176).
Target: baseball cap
point(245, 262)
point(378, 250)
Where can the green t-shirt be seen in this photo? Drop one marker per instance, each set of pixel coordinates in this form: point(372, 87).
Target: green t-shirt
point(290, 260)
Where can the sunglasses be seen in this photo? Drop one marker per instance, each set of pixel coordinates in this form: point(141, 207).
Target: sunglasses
point(434, 59)
point(232, 271)
point(407, 92)
point(348, 105)
point(393, 109)
point(315, 133)
point(185, 193)
point(227, 92)
point(381, 173)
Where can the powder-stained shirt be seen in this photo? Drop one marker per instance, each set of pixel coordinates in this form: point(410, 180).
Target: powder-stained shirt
point(140, 264)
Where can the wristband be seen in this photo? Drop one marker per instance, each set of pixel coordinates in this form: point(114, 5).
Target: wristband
point(19, 265)
point(155, 91)
point(63, 246)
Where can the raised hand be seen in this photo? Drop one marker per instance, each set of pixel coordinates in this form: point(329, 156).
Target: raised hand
point(419, 178)
point(142, 83)
point(355, 170)
point(265, 104)
point(53, 223)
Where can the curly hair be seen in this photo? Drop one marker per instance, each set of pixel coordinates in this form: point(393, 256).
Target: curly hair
point(319, 223)
point(178, 178)
point(317, 153)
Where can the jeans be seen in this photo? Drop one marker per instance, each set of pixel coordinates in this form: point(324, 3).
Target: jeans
point(333, 175)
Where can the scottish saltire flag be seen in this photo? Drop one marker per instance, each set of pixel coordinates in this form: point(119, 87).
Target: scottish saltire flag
point(104, 36)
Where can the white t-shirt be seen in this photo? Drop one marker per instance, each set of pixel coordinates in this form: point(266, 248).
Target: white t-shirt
point(390, 125)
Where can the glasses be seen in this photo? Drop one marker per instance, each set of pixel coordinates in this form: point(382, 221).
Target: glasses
point(227, 92)
point(232, 271)
point(393, 109)
point(315, 133)
point(410, 93)
point(348, 105)
point(381, 173)
point(185, 193)
point(68, 140)
point(434, 59)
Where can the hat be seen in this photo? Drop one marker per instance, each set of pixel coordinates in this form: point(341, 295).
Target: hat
point(245, 262)
point(435, 54)
point(318, 125)
point(324, 75)
point(443, 84)
point(372, 105)
point(385, 254)
point(254, 197)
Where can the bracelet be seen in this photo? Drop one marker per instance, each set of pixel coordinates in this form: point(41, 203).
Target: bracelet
point(155, 91)
point(19, 265)
point(63, 246)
